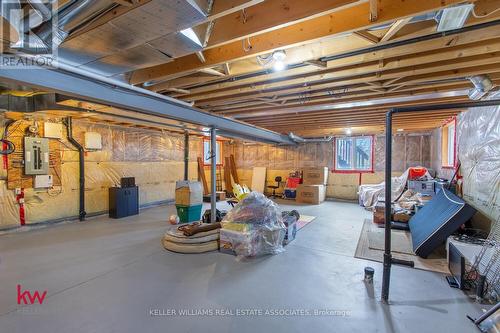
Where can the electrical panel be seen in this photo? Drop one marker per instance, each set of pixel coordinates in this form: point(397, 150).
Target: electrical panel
point(43, 181)
point(93, 141)
point(36, 156)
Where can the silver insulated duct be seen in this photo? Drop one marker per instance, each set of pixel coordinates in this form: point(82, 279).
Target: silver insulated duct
point(482, 85)
point(299, 139)
point(70, 17)
point(10, 12)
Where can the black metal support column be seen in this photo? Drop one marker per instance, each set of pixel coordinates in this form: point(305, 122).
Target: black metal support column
point(213, 174)
point(81, 161)
point(388, 179)
point(186, 155)
point(388, 260)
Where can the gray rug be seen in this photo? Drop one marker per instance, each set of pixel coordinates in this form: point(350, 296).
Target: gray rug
point(400, 240)
point(436, 262)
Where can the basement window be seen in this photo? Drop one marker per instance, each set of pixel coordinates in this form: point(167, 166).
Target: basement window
point(448, 144)
point(354, 154)
point(207, 152)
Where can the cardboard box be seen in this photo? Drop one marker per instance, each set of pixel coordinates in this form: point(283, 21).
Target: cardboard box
point(313, 194)
point(315, 176)
point(379, 213)
point(188, 193)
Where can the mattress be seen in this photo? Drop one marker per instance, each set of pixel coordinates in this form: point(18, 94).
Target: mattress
point(438, 219)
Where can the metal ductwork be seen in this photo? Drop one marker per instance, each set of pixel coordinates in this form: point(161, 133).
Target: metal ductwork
point(71, 17)
point(298, 139)
point(43, 11)
point(482, 85)
point(10, 13)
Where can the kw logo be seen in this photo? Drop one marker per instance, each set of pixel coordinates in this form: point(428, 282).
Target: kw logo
point(25, 297)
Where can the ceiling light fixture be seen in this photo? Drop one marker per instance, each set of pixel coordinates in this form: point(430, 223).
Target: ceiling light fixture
point(279, 55)
point(279, 66)
point(400, 129)
point(279, 60)
point(454, 17)
point(348, 131)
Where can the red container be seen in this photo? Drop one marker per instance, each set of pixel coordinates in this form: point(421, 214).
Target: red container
point(292, 182)
point(416, 173)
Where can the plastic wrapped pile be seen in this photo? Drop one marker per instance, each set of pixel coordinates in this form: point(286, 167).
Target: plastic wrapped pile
point(253, 227)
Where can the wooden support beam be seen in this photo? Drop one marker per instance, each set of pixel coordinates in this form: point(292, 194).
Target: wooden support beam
point(269, 15)
point(317, 63)
point(178, 90)
point(353, 18)
point(201, 57)
point(227, 68)
point(353, 91)
point(470, 43)
point(211, 71)
point(202, 176)
point(373, 10)
point(395, 27)
point(367, 36)
point(341, 77)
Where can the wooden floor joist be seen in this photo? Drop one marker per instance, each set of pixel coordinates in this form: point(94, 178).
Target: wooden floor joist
point(352, 18)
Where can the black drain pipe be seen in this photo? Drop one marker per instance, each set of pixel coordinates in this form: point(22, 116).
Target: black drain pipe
point(388, 260)
point(81, 161)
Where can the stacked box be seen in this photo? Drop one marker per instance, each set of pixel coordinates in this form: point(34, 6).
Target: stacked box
point(188, 200)
point(313, 194)
point(315, 176)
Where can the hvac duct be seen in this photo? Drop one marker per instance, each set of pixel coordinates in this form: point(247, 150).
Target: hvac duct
point(482, 85)
point(298, 139)
point(42, 10)
point(71, 17)
point(10, 12)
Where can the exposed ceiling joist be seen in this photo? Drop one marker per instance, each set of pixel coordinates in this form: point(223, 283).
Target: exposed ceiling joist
point(317, 63)
point(212, 71)
point(353, 18)
point(360, 74)
point(395, 27)
point(269, 15)
point(365, 35)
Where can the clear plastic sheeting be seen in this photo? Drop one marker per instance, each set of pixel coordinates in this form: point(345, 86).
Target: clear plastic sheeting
point(255, 226)
point(369, 195)
point(478, 134)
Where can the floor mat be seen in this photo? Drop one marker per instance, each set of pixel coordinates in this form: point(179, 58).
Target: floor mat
point(436, 262)
point(400, 240)
point(304, 220)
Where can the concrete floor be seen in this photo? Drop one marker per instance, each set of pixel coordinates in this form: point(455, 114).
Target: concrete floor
point(113, 275)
